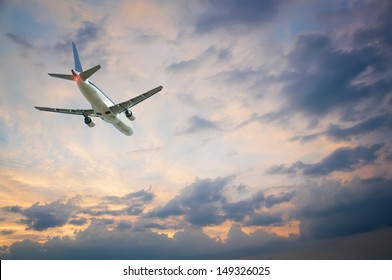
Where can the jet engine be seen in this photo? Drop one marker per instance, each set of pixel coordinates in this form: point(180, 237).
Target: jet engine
point(130, 115)
point(89, 121)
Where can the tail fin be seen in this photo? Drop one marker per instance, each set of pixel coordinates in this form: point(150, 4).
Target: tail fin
point(63, 76)
point(78, 66)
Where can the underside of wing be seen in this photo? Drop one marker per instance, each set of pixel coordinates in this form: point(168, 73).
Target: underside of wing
point(118, 108)
point(81, 112)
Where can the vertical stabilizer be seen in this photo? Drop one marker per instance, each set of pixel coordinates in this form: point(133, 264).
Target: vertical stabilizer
point(78, 66)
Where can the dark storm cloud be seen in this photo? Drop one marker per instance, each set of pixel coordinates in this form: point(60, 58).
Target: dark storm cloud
point(97, 242)
point(205, 203)
point(197, 124)
point(342, 159)
point(338, 221)
point(232, 14)
point(322, 79)
point(321, 75)
point(381, 33)
point(41, 217)
point(58, 213)
point(199, 202)
point(361, 206)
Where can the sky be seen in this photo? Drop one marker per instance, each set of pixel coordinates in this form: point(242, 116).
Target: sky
point(271, 138)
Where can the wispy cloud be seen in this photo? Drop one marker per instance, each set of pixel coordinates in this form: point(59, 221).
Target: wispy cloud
point(342, 159)
point(19, 40)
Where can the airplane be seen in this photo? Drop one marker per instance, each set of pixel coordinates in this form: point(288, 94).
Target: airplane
point(102, 106)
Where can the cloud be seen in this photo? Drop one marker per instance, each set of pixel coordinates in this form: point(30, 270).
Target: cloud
point(88, 32)
point(123, 243)
point(186, 66)
point(199, 203)
point(104, 210)
point(135, 204)
point(380, 33)
point(19, 40)
point(205, 202)
point(124, 225)
point(198, 124)
point(275, 199)
point(78, 222)
point(360, 206)
point(321, 79)
point(6, 231)
point(41, 217)
point(264, 219)
point(58, 213)
point(368, 126)
point(303, 66)
point(235, 13)
point(336, 132)
point(348, 215)
point(342, 159)
point(141, 196)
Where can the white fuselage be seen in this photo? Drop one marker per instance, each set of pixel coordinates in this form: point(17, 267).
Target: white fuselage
point(101, 104)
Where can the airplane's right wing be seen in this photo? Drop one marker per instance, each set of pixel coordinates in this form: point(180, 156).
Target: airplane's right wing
point(118, 108)
point(81, 112)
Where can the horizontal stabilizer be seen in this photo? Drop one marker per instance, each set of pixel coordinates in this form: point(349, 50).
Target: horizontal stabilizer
point(84, 75)
point(63, 76)
point(88, 73)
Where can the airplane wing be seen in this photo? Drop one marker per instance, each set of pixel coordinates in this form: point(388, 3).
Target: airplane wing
point(118, 108)
point(82, 112)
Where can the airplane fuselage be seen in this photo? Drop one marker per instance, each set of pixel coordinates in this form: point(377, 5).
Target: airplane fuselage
point(101, 104)
point(119, 115)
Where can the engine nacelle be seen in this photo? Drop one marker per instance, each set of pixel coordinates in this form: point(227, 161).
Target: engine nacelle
point(130, 115)
point(89, 122)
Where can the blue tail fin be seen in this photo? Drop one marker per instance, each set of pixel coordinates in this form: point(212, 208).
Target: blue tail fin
point(78, 66)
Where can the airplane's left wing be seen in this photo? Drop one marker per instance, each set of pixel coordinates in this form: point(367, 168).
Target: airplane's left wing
point(82, 112)
point(118, 108)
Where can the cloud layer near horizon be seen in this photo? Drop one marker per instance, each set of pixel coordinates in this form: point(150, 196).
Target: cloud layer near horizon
point(271, 138)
